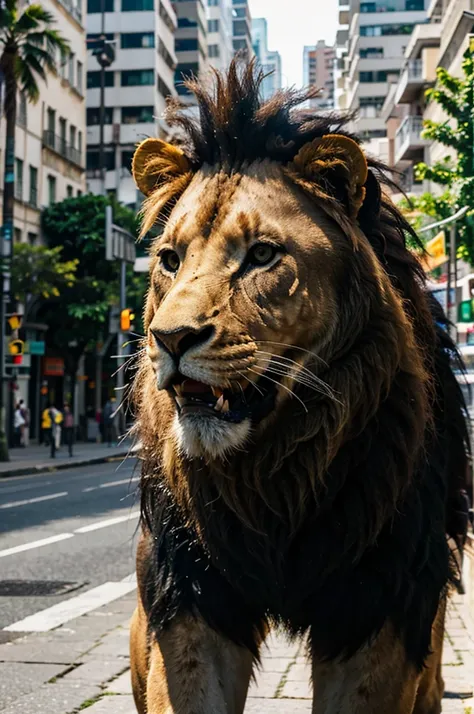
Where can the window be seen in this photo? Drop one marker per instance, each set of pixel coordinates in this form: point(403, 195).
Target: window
point(32, 238)
point(51, 120)
point(93, 79)
point(62, 136)
point(109, 36)
point(22, 110)
point(240, 27)
point(16, 235)
point(51, 190)
point(240, 12)
point(92, 161)
point(19, 179)
point(240, 45)
point(213, 25)
point(214, 51)
point(371, 101)
point(133, 40)
point(63, 65)
point(375, 76)
point(166, 18)
point(33, 186)
point(79, 142)
point(93, 116)
point(371, 52)
point(186, 22)
point(385, 30)
point(71, 69)
point(72, 136)
point(127, 157)
point(137, 77)
point(163, 52)
point(79, 193)
point(69, 191)
point(137, 5)
point(185, 71)
point(163, 88)
point(185, 45)
point(213, 3)
point(79, 76)
point(137, 115)
point(96, 6)
point(392, 5)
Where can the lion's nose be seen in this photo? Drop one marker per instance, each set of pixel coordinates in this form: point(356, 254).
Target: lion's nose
point(177, 342)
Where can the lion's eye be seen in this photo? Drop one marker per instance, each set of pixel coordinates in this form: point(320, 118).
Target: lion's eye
point(261, 254)
point(170, 261)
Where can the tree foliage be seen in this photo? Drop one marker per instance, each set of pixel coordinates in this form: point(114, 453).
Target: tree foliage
point(456, 173)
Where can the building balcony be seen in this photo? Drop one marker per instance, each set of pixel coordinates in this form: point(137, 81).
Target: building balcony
point(456, 24)
point(74, 10)
point(408, 139)
point(60, 146)
point(410, 83)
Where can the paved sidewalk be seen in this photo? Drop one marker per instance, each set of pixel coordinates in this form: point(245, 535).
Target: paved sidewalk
point(84, 665)
point(36, 459)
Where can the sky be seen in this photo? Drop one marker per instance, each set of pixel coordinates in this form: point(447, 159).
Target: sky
point(292, 24)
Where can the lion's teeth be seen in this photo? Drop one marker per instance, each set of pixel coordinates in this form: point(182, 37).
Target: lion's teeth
point(178, 389)
point(225, 406)
point(217, 391)
point(219, 404)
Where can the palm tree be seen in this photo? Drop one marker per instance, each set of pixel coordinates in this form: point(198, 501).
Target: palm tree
point(29, 47)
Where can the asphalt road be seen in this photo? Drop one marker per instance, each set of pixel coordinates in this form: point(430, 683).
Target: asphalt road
point(88, 518)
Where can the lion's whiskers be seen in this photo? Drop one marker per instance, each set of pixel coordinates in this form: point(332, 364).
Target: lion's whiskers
point(279, 384)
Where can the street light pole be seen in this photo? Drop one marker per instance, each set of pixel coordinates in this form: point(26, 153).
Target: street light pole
point(102, 105)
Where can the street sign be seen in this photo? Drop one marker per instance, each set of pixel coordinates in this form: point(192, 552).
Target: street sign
point(466, 311)
point(53, 367)
point(119, 244)
point(35, 347)
point(436, 252)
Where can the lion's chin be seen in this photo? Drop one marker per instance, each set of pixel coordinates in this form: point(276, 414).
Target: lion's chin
point(199, 435)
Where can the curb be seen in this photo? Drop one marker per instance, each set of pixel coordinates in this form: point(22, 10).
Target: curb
point(49, 468)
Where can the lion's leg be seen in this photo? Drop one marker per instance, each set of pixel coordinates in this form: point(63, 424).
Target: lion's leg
point(139, 657)
point(376, 680)
point(194, 670)
point(431, 689)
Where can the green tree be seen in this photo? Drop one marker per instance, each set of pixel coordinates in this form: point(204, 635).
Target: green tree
point(456, 171)
point(39, 274)
point(79, 318)
point(29, 45)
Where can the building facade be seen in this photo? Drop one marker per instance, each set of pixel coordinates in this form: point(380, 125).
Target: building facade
point(242, 27)
point(318, 71)
point(220, 48)
point(270, 61)
point(379, 32)
point(136, 87)
point(190, 44)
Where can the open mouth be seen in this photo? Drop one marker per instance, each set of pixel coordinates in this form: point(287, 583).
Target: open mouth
point(245, 400)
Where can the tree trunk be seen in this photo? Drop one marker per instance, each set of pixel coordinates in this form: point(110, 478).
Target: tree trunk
point(7, 228)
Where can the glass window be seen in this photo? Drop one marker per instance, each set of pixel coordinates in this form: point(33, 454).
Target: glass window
point(386, 30)
point(22, 110)
point(33, 186)
point(213, 3)
point(375, 76)
point(69, 191)
point(79, 193)
point(371, 52)
point(79, 76)
point(134, 40)
point(16, 235)
point(96, 6)
point(166, 18)
point(186, 22)
point(240, 27)
point(72, 136)
point(92, 160)
point(137, 5)
point(163, 88)
point(187, 45)
point(213, 25)
point(93, 116)
point(240, 12)
point(93, 79)
point(71, 60)
point(214, 51)
point(32, 238)
point(127, 157)
point(137, 77)
point(137, 115)
point(51, 120)
point(79, 142)
point(109, 36)
point(19, 179)
point(51, 189)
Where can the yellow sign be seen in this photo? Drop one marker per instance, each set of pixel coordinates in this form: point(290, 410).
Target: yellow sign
point(14, 321)
point(436, 252)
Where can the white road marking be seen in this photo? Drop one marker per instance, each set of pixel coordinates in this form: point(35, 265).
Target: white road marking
point(110, 484)
point(25, 487)
point(27, 501)
point(35, 544)
point(67, 610)
point(109, 522)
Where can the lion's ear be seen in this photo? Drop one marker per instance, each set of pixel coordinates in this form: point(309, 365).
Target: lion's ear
point(156, 162)
point(338, 165)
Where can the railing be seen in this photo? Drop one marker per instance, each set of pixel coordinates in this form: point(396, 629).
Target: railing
point(33, 197)
point(414, 69)
point(410, 127)
point(74, 10)
point(60, 146)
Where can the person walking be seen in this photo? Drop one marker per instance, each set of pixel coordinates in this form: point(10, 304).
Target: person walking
point(108, 416)
point(46, 426)
point(25, 412)
point(56, 419)
point(68, 428)
point(18, 426)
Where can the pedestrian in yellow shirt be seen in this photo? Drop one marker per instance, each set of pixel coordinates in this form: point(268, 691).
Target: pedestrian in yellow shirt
point(46, 425)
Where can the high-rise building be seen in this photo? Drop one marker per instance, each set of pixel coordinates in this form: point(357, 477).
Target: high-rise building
point(242, 27)
point(190, 44)
point(379, 32)
point(136, 87)
point(270, 61)
point(219, 33)
point(50, 135)
point(318, 71)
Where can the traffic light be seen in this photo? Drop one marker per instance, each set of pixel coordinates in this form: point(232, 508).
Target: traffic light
point(126, 319)
point(16, 349)
point(102, 49)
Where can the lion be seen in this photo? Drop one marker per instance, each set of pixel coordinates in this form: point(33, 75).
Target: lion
point(302, 437)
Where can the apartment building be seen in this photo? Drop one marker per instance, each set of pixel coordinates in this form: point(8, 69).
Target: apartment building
point(270, 61)
point(318, 71)
point(340, 51)
point(220, 48)
point(136, 87)
point(242, 27)
point(379, 32)
point(190, 44)
point(50, 135)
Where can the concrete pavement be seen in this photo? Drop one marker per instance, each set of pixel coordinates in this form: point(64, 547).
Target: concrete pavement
point(85, 665)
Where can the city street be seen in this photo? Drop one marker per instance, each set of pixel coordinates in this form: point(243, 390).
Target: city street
point(67, 592)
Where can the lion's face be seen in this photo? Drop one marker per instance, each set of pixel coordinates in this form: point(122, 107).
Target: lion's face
point(244, 275)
